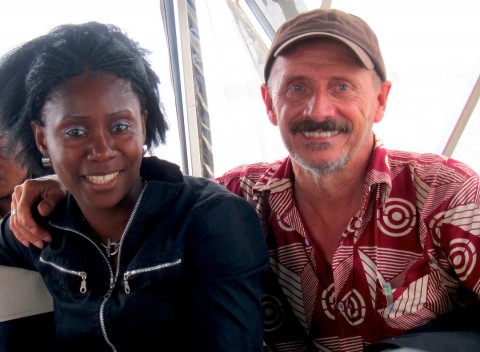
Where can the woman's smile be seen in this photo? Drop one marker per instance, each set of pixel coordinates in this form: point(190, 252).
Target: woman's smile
point(102, 179)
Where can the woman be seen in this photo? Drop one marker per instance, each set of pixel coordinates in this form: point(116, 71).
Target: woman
point(139, 257)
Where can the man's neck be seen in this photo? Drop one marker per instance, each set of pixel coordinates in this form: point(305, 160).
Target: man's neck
point(327, 204)
point(329, 193)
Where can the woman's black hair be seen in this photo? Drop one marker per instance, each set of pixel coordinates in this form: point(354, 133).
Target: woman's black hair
point(67, 51)
point(14, 67)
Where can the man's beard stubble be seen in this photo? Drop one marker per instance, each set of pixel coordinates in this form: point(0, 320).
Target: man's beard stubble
point(320, 168)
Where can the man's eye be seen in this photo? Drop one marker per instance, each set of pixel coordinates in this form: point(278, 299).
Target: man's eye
point(343, 87)
point(295, 91)
point(296, 88)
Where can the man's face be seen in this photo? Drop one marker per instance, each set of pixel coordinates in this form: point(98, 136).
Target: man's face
point(11, 174)
point(325, 103)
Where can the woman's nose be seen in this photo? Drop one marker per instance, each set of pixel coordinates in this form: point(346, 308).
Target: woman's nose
point(102, 147)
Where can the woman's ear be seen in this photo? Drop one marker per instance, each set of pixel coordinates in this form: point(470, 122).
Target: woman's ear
point(39, 134)
point(144, 124)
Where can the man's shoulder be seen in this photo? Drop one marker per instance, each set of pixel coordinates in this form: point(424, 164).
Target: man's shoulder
point(428, 163)
point(246, 178)
point(250, 171)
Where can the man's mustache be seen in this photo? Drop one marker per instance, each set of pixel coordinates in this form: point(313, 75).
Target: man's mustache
point(329, 125)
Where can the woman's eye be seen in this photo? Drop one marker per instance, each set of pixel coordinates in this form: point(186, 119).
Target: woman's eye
point(121, 127)
point(75, 132)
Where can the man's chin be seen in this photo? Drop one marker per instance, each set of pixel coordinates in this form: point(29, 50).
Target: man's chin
point(321, 167)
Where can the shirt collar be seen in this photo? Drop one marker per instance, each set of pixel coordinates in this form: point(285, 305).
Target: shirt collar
point(278, 178)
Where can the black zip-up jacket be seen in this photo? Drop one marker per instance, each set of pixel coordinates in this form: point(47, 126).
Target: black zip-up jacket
point(191, 265)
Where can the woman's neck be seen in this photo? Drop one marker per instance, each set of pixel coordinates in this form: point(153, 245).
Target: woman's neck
point(109, 224)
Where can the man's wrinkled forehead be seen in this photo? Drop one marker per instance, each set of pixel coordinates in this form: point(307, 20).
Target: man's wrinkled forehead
point(324, 46)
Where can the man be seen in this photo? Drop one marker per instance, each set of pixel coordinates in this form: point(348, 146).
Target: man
point(25, 304)
point(365, 243)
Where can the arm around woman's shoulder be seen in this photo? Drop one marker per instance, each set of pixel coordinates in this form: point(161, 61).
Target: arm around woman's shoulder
point(12, 252)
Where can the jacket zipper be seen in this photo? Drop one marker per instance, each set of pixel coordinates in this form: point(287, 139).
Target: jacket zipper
point(113, 278)
point(82, 274)
point(130, 273)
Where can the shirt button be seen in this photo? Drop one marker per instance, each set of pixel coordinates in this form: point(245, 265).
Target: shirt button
point(340, 306)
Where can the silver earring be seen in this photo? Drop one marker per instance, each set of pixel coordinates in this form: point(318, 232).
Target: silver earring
point(46, 162)
point(145, 149)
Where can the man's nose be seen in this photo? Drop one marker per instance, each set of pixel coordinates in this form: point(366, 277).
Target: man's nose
point(320, 105)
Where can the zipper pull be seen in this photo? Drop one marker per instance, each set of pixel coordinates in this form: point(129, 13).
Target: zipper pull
point(125, 282)
point(83, 285)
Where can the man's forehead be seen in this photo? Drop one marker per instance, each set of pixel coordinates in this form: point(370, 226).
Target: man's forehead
point(314, 52)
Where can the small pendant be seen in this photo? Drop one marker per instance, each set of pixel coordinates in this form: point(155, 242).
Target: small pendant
point(111, 248)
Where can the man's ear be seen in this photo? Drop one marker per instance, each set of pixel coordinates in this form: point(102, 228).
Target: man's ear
point(382, 98)
point(267, 100)
point(39, 134)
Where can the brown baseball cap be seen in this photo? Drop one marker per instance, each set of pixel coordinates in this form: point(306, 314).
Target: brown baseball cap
point(333, 23)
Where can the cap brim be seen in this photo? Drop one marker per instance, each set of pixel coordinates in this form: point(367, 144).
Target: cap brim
point(362, 55)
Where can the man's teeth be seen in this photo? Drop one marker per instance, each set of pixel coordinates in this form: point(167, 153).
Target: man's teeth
point(322, 134)
point(102, 179)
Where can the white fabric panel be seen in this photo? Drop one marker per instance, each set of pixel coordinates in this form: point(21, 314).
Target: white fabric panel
point(22, 293)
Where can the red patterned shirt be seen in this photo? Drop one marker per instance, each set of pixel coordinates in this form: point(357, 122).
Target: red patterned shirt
point(409, 255)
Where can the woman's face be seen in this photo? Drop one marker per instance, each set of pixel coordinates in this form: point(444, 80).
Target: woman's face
point(11, 173)
point(94, 132)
